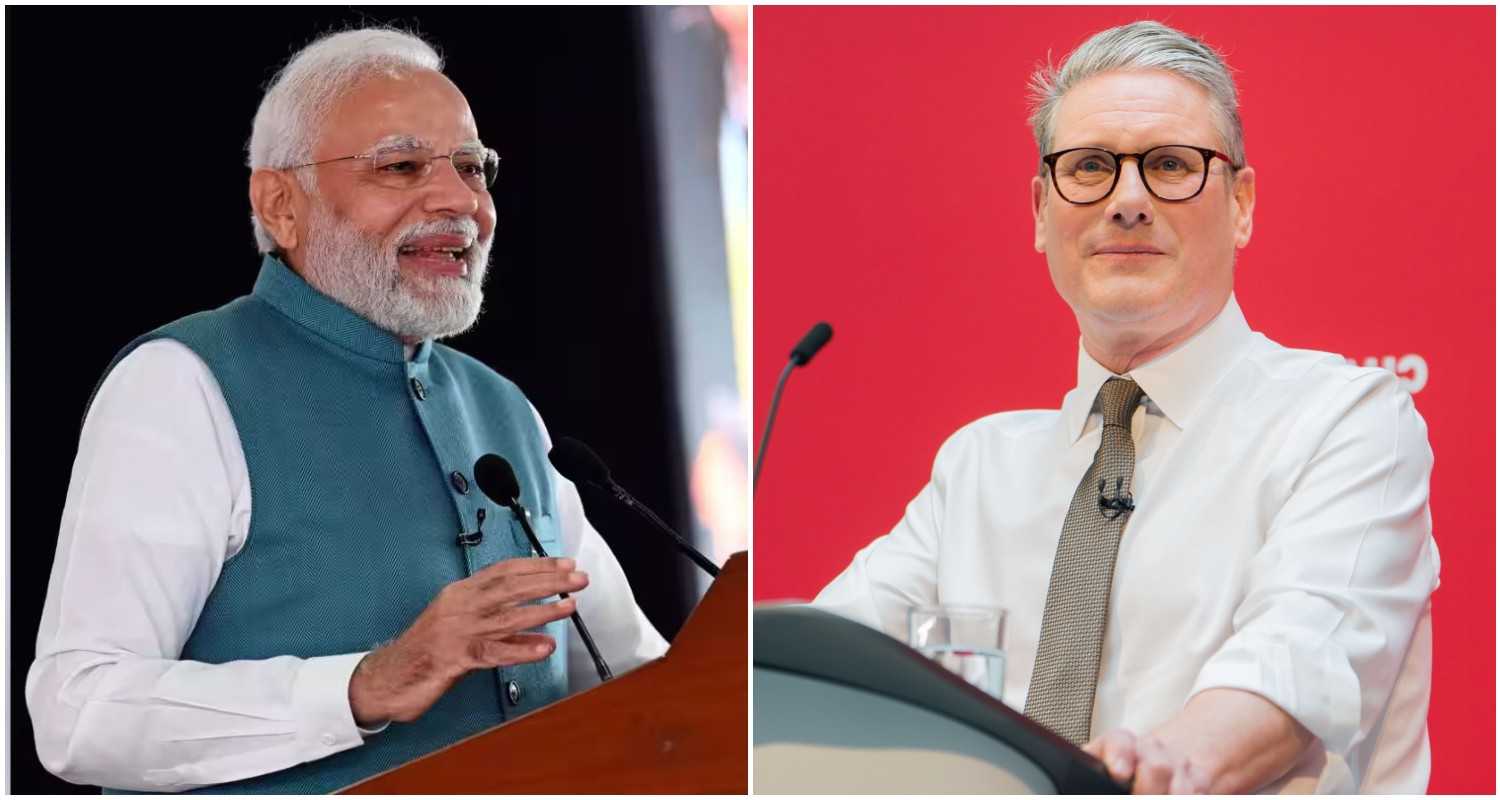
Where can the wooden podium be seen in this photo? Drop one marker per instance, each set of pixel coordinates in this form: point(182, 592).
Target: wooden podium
point(675, 725)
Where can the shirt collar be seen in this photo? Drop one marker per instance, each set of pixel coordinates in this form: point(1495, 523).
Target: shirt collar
point(1176, 382)
point(280, 286)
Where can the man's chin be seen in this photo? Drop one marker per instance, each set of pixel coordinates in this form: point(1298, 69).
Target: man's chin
point(1125, 304)
point(441, 317)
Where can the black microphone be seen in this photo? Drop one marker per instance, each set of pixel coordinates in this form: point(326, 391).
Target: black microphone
point(1121, 503)
point(801, 354)
point(498, 481)
point(576, 462)
point(812, 343)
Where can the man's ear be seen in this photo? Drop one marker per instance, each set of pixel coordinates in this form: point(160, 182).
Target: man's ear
point(1038, 203)
point(1244, 205)
point(274, 197)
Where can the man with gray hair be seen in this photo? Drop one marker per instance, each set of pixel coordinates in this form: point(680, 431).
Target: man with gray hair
point(1216, 557)
point(187, 642)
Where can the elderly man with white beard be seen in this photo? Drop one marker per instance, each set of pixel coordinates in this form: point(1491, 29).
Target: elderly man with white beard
point(364, 614)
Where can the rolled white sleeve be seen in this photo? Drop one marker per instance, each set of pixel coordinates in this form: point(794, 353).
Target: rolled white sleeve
point(157, 502)
point(1345, 572)
point(897, 570)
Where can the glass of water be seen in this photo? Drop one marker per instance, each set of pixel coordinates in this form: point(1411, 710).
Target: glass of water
point(968, 640)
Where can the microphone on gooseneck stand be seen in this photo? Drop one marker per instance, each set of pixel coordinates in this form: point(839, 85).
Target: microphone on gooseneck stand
point(576, 462)
point(801, 355)
point(498, 481)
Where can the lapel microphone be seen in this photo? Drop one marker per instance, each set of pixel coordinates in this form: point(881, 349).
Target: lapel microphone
point(498, 481)
point(1112, 507)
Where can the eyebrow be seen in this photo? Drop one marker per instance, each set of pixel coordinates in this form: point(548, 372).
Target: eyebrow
point(403, 141)
point(1112, 149)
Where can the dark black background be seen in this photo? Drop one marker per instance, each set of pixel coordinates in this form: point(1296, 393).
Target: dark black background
point(126, 208)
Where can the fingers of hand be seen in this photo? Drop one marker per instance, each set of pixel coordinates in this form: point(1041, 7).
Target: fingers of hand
point(524, 566)
point(520, 648)
point(509, 618)
point(1155, 766)
point(1188, 780)
point(1118, 752)
point(530, 586)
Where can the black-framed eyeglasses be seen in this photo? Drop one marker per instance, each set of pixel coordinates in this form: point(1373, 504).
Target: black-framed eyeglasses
point(1171, 172)
point(411, 166)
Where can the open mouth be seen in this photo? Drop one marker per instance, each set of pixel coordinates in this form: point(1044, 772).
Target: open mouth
point(439, 258)
point(450, 253)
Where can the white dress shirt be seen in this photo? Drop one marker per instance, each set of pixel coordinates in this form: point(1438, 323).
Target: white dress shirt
point(1281, 544)
point(158, 501)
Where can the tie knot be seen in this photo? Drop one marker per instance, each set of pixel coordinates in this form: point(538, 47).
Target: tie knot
point(1118, 399)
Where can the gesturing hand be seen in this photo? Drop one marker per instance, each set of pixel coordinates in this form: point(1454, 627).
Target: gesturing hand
point(479, 622)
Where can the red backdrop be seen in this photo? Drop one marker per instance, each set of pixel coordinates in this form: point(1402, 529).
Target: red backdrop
point(892, 161)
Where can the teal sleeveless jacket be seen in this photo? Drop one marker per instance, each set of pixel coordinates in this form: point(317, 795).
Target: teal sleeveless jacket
point(361, 480)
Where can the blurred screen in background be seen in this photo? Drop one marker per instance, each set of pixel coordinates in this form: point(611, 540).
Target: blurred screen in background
point(697, 61)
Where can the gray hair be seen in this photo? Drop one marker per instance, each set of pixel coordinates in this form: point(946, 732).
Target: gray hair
point(1140, 45)
point(291, 112)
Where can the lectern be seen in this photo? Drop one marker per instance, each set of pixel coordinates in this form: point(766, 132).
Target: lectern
point(675, 725)
point(844, 709)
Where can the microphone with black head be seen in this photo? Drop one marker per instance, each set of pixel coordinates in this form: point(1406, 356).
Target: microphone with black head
point(576, 462)
point(811, 343)
point(802, 355)
point(497, 479)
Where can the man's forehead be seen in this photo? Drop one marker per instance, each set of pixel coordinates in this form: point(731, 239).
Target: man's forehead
point(1133, 103)
point(418, 109)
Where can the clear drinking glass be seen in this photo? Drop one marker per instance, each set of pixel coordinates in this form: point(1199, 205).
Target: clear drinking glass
point(967, 640)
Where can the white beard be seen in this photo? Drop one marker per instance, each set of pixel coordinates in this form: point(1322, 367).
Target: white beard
point(359, 271)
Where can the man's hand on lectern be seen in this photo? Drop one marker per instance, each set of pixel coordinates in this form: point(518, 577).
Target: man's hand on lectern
point(1147, 764)
point(1224, 741)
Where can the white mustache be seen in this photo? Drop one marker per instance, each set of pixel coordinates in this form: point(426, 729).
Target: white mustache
point(465, 227)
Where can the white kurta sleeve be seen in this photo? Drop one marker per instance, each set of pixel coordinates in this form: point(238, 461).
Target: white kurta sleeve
point(1336, 592)
point(625, 637)
point(158, 500)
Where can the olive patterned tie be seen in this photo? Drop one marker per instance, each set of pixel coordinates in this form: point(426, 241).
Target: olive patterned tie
point(1061, 696)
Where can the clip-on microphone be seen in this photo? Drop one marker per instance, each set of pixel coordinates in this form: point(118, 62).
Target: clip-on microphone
point(1121, 503)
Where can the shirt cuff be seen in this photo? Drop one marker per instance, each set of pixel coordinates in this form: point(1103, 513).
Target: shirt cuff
point(1315, 686)
point(363, 731)
point(325, 721)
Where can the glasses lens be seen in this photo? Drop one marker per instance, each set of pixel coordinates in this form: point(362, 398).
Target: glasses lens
point(402, 167)
point(1084, 175)
point(491, 167)
point(1173, 172)
point(472, 164)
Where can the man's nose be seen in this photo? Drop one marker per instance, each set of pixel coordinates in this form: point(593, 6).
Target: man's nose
point(448, 193)
point(1130, 204)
